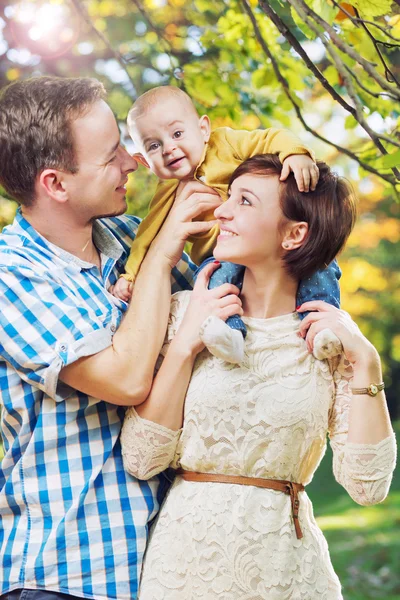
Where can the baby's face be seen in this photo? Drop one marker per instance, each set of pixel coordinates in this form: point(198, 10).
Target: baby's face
point(171, 137)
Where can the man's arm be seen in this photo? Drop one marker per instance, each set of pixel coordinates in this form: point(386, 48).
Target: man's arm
point(122, 373)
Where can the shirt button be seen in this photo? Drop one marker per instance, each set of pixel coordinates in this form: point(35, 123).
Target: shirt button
point(113, 328)
point(63, 347)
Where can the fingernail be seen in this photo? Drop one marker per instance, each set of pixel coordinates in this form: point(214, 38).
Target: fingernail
point(216, 262)
point(297, 307)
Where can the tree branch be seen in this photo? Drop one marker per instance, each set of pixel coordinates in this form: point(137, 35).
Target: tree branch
point(296, 107)
point(358, 20)
point(117, 55)
point(344, 47)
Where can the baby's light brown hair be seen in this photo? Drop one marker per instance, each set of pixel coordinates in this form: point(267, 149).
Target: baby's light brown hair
point(154, 98)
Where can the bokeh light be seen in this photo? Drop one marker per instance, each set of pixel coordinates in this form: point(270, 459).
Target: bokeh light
point(46, 28)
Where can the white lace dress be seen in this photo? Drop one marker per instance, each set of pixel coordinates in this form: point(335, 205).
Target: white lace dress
point(267, 418)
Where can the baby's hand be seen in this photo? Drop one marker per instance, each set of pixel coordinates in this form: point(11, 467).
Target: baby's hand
point(304, 170)
point(122, 289)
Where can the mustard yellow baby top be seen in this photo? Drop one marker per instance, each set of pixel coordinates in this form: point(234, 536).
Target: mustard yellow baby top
point(226, 150)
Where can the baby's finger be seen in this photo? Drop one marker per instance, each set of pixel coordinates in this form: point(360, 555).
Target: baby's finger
point(285, 171)
point(298, 175)
point(314, 177)
point(306, 179)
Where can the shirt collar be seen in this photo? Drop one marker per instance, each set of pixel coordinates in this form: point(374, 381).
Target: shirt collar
point(104, 240)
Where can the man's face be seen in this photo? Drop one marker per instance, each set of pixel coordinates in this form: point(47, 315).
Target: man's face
point(98, 189)
point(171, 137)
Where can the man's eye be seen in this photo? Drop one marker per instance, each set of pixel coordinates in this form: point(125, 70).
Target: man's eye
point(178, 134)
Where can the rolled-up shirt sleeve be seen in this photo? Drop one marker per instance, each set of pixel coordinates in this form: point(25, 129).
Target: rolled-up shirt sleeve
point(46, 326)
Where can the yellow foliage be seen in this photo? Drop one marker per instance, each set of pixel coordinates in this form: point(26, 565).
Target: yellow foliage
point(368, 234)
point(357, 304)
point(13, 74)
point(151, 38)
point(396, 347)
point(359, 274)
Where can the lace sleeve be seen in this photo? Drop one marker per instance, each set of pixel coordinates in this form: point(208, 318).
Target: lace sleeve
point(364, 470)
point(147, 447)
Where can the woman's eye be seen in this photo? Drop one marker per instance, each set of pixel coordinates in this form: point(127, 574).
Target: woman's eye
point(245, 201)
point(112, 159)
point(178, 134)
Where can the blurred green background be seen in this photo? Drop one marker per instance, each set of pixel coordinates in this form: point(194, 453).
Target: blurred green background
point(243, 72)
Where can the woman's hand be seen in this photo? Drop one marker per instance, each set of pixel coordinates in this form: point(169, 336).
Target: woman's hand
point(356, 347)
point(222, 302)
point(192, 199)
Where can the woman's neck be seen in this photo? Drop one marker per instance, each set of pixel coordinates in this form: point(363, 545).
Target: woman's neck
point(268, 291)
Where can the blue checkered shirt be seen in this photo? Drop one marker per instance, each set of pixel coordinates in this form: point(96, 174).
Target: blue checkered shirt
point(71, 519)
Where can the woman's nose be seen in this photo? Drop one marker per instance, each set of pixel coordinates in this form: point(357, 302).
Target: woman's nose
point(223, 211)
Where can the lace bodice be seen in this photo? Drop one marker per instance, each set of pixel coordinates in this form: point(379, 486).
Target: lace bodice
point(267, 418)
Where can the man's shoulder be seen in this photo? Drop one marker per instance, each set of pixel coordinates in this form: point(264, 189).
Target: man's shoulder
point(123, 227)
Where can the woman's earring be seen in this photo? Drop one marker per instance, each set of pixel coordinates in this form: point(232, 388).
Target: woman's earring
point(285, 245)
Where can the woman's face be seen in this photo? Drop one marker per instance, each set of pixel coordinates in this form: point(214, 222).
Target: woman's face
point(249, 221)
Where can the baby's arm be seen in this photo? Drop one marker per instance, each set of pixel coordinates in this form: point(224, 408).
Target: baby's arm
point(293, 155)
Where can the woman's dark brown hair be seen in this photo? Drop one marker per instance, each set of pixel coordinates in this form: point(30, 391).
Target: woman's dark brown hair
point(329, 211)
point(35, 131)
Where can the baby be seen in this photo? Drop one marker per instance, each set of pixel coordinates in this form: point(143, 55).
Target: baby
point(178, 146)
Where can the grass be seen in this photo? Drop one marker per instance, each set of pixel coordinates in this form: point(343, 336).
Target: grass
point(364, 542)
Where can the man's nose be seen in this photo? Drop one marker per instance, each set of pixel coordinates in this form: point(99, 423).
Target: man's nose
point(128, 163)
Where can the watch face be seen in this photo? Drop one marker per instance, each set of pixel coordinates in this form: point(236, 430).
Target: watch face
point(373, 390)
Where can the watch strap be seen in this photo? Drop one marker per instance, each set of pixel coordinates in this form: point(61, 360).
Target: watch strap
point(371, 390)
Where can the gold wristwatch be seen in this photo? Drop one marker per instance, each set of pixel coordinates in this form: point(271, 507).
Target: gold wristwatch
point(371, 390)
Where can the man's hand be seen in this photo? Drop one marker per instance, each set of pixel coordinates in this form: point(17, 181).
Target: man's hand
point(122, 289)
point(304, 169)
point(192, 199)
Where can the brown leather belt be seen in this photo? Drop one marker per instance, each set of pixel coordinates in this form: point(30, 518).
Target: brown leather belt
point(287, 487)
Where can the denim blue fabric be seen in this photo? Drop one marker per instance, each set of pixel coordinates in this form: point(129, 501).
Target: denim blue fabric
point(227, 273)
point(323, 285)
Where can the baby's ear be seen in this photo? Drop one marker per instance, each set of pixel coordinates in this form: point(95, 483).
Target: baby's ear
point(141, 159)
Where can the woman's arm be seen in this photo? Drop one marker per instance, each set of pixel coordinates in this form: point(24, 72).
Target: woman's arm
point(369, 420)
point(362, 439)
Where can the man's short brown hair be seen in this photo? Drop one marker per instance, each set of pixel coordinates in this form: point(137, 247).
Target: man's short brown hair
point(35, 129)
point(329, 211)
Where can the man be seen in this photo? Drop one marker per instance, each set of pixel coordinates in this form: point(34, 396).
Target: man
point(73, 522)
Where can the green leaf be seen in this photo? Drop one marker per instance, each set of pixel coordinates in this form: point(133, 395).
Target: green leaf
point(372, 8)
point(391, 160)
point(350, 122)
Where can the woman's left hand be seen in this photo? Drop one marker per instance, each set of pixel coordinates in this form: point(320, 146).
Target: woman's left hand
point(355, 345)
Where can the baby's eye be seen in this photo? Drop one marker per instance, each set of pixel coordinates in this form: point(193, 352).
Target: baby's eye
point(153, 146)
point(178, 134)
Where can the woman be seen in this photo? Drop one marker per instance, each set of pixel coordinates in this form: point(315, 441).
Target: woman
point(244, 528)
